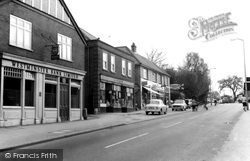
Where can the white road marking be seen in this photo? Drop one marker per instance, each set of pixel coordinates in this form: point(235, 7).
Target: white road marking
point(126, 140)
point(193, 117)
point(172, 125)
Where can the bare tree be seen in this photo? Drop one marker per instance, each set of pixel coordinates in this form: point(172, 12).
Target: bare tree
point(232, 82)
point(156, 57)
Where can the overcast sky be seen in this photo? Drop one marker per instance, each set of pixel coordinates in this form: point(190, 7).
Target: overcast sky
point(163, 25)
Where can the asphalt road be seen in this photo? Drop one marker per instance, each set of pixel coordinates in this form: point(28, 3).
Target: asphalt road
point(188, 136)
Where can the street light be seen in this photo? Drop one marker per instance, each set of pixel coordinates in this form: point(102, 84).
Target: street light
point(210, 85)
point(245, 75)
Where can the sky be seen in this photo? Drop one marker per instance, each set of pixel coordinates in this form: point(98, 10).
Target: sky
point(163, 25)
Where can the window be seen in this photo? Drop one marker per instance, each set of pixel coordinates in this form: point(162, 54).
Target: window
point(153, 77)
point(145, 76)
point(105, 61)
point(129, 69)
point(123, 67)
point(12, 92)
point(29, 93)
point(20, 32)
point(65, 47)
point(159, 79)
point(113, 63)
point(50, 96)
point(75, 97)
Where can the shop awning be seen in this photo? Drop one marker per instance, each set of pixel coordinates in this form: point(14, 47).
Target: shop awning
point(149, 89)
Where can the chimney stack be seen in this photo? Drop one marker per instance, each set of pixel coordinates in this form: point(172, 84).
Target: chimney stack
point(133, 47)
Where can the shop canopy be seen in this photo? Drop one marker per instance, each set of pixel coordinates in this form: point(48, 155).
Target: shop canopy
point(149, 89)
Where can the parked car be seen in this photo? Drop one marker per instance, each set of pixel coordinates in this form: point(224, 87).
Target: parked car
point(179, 104)
point(156, 105)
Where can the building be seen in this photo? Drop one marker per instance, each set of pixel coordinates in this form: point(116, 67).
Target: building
point(110, 78)
point(150, 81)
point(42, 52)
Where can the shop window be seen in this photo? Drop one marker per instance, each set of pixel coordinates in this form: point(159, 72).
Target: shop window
point(65, 47)
point(50, 96)
point(12, 92)
point(75, 97)
point(20, 32)
point(102, 93)
point(29, 93)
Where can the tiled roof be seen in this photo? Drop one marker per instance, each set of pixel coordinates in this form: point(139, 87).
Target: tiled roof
point(148, 64)
point(143, 61)
point(87, 35)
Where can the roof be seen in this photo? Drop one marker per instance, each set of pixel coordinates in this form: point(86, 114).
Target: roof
point(87, 35)
point(82, 36)
point(148, 64)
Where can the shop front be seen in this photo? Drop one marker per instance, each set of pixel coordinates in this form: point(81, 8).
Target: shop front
point(116, 95)
point(152, 90)
point(33, 92)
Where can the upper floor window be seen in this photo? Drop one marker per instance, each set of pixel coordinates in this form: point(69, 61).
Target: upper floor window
point(52, 7)
point(129, 69)
point(153, 77)
point(123, 67)
point(20, 32)
point(105, 61)
point(65, 47)
point(145, 75)
point(112, 63)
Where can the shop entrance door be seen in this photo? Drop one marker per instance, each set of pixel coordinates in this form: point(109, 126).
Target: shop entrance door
point(64, 102)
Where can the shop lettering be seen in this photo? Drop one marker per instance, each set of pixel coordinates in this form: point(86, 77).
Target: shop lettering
point(55, 72)
point(43, 70)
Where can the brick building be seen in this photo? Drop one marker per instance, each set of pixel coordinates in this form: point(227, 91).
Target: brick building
point(42, 52)
point(110, 78)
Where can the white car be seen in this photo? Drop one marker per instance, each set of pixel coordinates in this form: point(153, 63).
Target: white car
point(179, 104)
point(156, 105)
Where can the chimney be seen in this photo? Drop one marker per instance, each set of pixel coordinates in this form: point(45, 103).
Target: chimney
point(133, 47)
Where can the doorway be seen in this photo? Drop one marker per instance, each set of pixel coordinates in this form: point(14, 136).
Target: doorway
point(64, 102)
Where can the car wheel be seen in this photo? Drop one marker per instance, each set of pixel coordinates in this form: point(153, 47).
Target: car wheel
point(146, 113)
point(172, 109)
point(160, 112)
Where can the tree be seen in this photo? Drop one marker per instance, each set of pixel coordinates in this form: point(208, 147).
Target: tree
point(156, 57)
point(232, 82)
point(197, 81)
point(171, 71)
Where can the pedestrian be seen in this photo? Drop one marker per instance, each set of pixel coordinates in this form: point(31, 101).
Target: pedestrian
point(194, 105)
point(244, 103)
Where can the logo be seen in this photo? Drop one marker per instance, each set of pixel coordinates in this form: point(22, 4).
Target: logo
point(211, 28)
point(7, 155)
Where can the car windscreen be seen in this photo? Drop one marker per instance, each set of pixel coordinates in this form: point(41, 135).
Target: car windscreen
point(178, 101)
point(154, 102)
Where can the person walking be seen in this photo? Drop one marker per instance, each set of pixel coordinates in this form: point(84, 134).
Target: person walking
point(244, 103)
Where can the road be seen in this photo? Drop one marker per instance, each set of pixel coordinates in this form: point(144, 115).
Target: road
point(188, 136)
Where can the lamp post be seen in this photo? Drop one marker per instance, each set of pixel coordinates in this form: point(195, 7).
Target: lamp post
point(210, 85)
point(245, 75)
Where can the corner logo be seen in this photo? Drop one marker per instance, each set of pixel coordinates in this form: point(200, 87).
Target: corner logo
point(211, 28)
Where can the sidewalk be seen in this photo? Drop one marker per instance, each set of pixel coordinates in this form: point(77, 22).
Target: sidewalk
point(236, 148)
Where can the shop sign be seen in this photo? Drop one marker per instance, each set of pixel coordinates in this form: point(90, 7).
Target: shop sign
point(118, 81)
point(44, 70)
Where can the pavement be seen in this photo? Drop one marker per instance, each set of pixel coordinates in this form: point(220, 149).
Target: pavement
point(236, 147)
